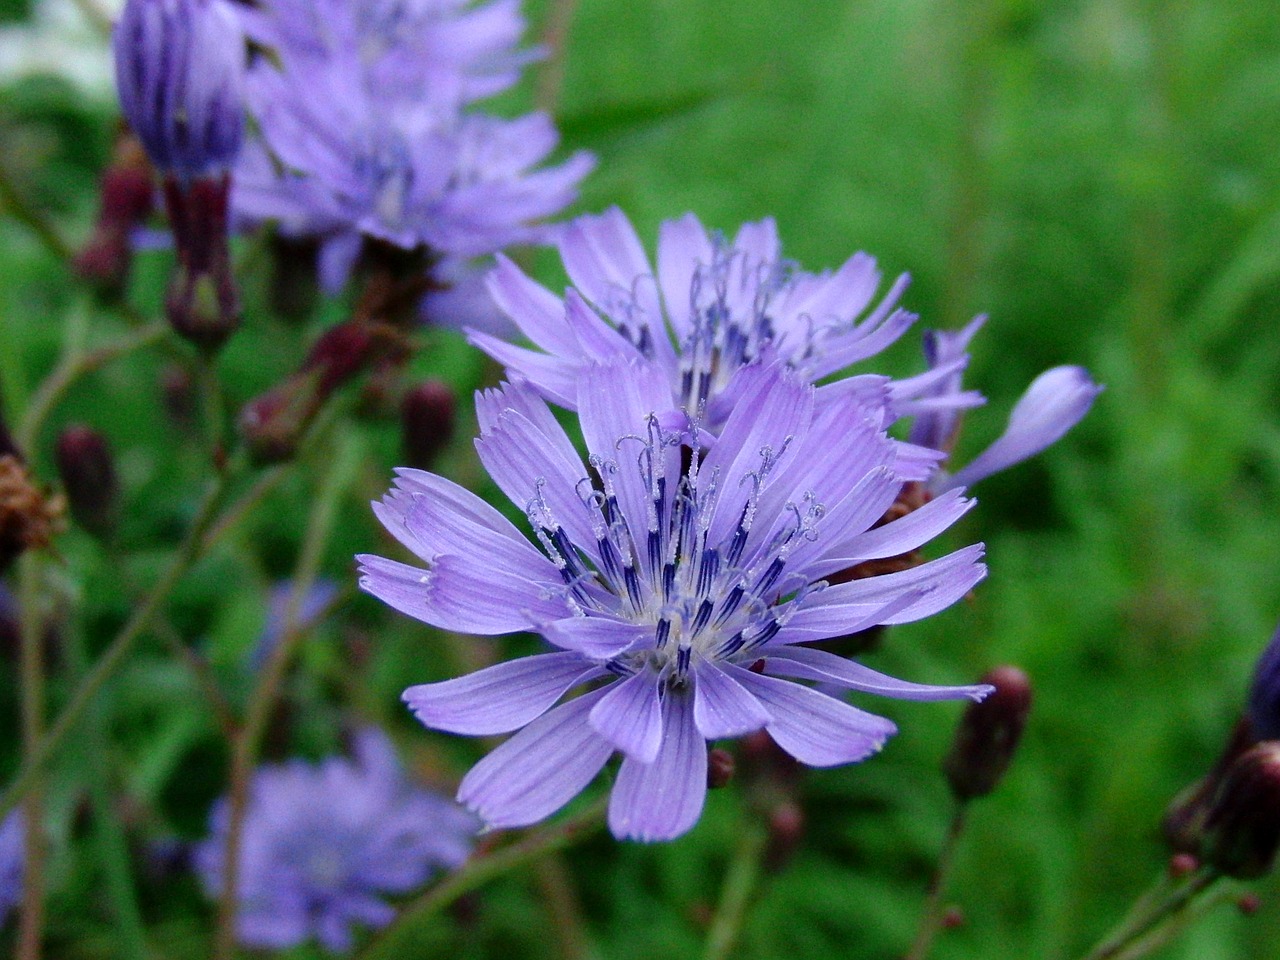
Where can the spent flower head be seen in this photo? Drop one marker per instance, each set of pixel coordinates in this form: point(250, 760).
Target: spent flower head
point(324, 845)
point(679, 583)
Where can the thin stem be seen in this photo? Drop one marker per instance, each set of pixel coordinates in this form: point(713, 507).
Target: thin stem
point(344, 465)
point(203, 677)
point(393, 942)
point(210, 390)
point(1152, 910)
point(113, 850)
point(71, 369)
point(555, 36)
point(32, 630)
point(1177, 921)
point(739, 885)
point(189, 551)
point(934, 910)
point(555, 887)
point(12, 201)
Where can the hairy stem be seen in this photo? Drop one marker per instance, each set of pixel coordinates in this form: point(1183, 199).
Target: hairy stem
point(934, 909)
point(735, 896)
point(343, 466)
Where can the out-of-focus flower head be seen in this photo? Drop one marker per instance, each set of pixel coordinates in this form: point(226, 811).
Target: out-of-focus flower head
point(1264, 695)
point(681, 584)
point(367, 130)
point(324, 845)
point(11, 863)
point(179, 75)
point(713, 306)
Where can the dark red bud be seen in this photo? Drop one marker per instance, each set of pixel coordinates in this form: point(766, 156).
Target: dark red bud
point(88, 476)
point(720, 767)
point(272, 423)
point(1242, 831)
point(127, 197)
point(952, 918)
point(988, 735)
point(341, 353)
point(426, 422)
point(1249, 904)
point(202, 303)
point(1182, 865)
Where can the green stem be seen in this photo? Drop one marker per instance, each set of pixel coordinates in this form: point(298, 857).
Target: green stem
point(740, 883)
point(12, 201)
point(190, 550)
point(934, 910)
point(71, 369)
point(344, 465)
point(1166, 900)
point(394, 941)
point(32, 630)
point(113, 850)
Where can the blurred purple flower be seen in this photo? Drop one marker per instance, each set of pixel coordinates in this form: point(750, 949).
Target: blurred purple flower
point(681, 584)
point(1264, 695)
point(323, 845)
point(367, 132)
point(179, 75)
point(11, 863)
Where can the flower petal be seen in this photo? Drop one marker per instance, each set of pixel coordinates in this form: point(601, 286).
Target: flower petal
point(500, 698)
point(597, 638)
point(807, 663)
point(538, 770)
point(663, 799)
point(816, 729)
point(629, 716)
point(721, 707)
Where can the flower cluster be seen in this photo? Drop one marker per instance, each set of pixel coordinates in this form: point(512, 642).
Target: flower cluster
point(323, 845)
point(729, 512)
point(368, 129)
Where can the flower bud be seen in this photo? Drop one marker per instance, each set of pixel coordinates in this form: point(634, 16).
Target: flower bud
point(1264, 695)
point(273, 423)
point(202, 303)
point(180, 75)
point(127, 195)
point(786, 830)
point(1242, 832)
point(988, 735)
point(88, 476)
point(720, 767)
point(426, 422)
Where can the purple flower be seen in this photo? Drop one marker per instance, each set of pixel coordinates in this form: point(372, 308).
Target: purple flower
point(11, 862)
point(367, 131)
point(179, 74)
point(713, 306)
point(1055, 402)
point(323, 845)
point(314, 603)
point(680, 584)
point(710, 309)
point(1264, 695)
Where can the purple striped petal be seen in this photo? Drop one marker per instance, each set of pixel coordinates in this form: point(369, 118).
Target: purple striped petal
point(721, 707)
point(629, 716)
point(598, 638)
point(806, 663)
point(663, 799)
point(816, 729)
point(538, 770)
point(500, 698)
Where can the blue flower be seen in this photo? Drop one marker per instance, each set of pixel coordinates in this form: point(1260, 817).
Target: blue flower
point(179, 75)
point(1264, 695)
point(714, 306)
point(368, 130)
point(12, 846)
point(323, 845)
point(1055, 402)
point(679, 583)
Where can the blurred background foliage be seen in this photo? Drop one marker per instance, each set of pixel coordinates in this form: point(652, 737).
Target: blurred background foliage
point(1101, 176)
